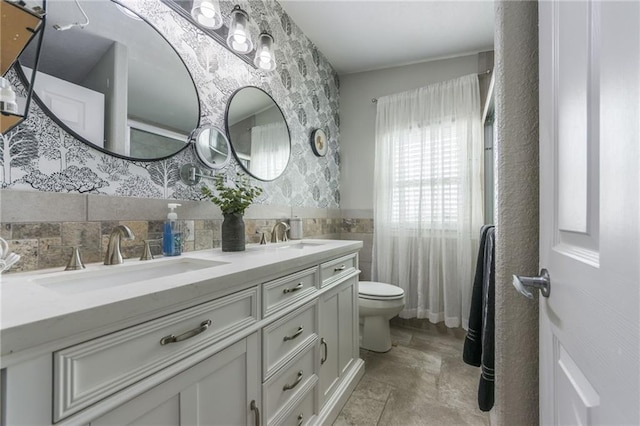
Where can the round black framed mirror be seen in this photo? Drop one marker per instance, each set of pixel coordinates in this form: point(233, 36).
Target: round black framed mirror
point(258, 133)
point(113, 81)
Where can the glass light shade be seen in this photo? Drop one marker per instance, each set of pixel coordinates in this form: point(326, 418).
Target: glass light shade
point(207, 13)
point(239, 37)
point(265, 59)
point(7, 97)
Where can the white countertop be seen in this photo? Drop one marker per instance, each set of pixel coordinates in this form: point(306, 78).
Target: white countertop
point(34, 314)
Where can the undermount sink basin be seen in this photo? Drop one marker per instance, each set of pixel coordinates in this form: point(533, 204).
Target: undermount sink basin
point(293, 245)
point(119, 275)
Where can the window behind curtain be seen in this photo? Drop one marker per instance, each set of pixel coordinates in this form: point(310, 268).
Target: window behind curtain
point(426, 177)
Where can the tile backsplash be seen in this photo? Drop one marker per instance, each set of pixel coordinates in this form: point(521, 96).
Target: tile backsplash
point(48, 245)
point(40, 227)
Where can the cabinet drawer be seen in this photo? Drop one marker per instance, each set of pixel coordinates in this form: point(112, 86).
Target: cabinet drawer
point(332, 270)
point(282, 339)
point(290, 382)
point(280, 293)
point(303, 413)
point(86, 373)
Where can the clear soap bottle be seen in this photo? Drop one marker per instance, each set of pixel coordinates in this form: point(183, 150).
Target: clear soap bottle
point(171, 233)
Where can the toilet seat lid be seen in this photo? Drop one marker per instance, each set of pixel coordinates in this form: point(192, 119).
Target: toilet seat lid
point(375, 290)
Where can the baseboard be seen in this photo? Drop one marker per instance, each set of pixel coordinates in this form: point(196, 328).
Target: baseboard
point(339, 398)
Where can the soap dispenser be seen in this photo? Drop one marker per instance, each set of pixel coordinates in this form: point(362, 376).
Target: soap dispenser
point(171, 233)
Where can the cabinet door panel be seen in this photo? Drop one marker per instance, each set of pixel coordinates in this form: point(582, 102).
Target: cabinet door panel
point(165, 414)
point(218, 398)
point(329, 367)
point(338, 334)
point(217, 390)
point(348, 322)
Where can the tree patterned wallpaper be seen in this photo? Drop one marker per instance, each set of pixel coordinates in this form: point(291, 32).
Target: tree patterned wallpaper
point(39, 155)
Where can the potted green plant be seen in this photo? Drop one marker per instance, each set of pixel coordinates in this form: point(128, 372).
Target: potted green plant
point(233, 200)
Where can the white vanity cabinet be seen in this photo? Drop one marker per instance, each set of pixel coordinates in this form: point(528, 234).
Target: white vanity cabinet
point(280, 348)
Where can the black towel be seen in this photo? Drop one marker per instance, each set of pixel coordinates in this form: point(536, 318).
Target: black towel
point(472, 353)
point(487, 377)
point(479, 342)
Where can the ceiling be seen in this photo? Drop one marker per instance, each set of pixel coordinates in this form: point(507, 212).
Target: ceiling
point(365, 35)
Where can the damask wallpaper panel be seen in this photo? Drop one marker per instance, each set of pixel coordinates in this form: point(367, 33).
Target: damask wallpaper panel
point(39, 155)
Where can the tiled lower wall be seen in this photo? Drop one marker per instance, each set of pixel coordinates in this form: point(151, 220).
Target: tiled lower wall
point(47, 245)
point(40, 227)
point(360, 229)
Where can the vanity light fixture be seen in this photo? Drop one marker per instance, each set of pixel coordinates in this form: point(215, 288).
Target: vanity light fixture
point(239, 36)
point(235, 34)
point(264, 53)
point(207, 13)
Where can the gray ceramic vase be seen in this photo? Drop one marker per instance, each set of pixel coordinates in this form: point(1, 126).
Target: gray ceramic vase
point(233, 232)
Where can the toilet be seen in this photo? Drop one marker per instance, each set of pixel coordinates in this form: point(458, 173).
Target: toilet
point(377, 304)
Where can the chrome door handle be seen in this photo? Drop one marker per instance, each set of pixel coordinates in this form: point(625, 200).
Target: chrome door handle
point(291, 290)
point(543, 282)
point(294, 335)
point(186, 335)
point(326, 351)
point(255, 408)
point(294, 384)
point(300, 419)
point(340, 268)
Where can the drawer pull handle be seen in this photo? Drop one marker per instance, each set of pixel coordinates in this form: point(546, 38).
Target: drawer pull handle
point(255, 408)
point(294, 335)
point(291, 290)
point(186, 335)
point(294, 384)
point(326, 351)
point(300, 419)
point(340, 268)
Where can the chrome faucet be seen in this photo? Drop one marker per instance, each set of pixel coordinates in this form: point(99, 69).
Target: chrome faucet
point(274, 232)
point(114, 255)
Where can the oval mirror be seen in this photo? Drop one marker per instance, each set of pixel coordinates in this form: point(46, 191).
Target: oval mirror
point(115, 83)
point(212, 147)
point(258, 133)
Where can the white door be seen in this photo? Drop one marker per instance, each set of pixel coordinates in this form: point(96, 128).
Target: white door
point(589, 214)
point(79, 108)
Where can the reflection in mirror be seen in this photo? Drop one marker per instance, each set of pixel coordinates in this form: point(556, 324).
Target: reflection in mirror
point(115, 83)
point(258, 133)
point(212, 147)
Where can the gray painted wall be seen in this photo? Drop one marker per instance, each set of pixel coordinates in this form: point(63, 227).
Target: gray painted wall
point(516, 150)
point(358, 117)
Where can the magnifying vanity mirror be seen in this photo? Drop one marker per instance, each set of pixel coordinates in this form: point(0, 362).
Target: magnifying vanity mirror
point(258, 133)
point(212, 147)
point(113, 81)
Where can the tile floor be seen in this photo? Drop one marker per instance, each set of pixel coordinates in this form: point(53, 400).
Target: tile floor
point(422, 380)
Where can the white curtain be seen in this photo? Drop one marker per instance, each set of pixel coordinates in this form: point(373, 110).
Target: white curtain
point(269, 150)
point(428, 197)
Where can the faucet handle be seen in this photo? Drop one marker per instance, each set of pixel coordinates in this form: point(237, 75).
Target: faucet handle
point(146, 251)
point(284, 232)
point(75, 262)
point(263, 237)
